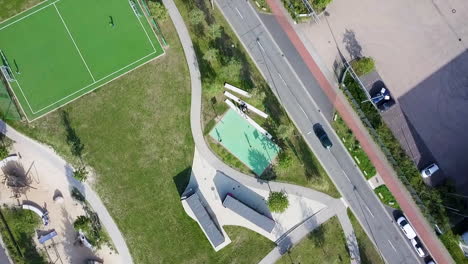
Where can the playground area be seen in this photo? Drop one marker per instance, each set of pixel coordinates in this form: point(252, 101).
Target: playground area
point(45, 194)
point(255, 149)
point(51, 54)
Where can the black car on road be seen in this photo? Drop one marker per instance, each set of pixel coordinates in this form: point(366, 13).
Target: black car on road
point(322, 136)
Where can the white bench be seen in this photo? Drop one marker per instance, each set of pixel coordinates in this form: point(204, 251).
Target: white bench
point(250, 107)
point(236, 90)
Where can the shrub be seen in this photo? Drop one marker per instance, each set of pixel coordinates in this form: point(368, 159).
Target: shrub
point(3, 151)
point(158, 11)
point(284, 160)
point(320, 5)
point(196, 16)
point(278, 202)
point(363, 65)
point(211, 55)
point(80, 174)
point(93, 233)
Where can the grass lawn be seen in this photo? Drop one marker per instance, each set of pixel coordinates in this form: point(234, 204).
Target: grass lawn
point(354, 148)
point(222, 58)
point(386, 196)
point(367, 250)
point(136, 135)
point(13, 7)
point(326, 244)
point(22, 224)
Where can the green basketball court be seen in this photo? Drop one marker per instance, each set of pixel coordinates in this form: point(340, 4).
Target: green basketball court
point(60, 50)
point(245, 142)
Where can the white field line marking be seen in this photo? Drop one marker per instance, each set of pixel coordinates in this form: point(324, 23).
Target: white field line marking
point(392, 245)
point(74, 43)
point(238, 12)
point(369, 210)
point(141, 24)
point(76, 98)
point(19, 86)
point(32, 13)
point(34, 112)
point(346, 175)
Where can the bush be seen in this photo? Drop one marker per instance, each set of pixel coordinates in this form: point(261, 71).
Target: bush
point(22, 225)
point(80, 174)
point(196, 16)
point(158, 11)
point(363, 65)
point(278, 202)
point(284, 160)
point(320, 5)
point(3, 151)
point(93, 232)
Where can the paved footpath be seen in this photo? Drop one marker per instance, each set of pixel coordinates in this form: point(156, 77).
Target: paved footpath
point(195, 120)
point(411, 210)
point(92, 198)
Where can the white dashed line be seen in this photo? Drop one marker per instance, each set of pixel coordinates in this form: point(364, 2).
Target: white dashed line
point(239, 13)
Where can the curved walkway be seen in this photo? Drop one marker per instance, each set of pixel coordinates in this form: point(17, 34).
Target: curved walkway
point(92, 198)
point(195, 120)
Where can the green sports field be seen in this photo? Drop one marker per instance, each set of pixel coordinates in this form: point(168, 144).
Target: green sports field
point(59, 50)
point(245, 142)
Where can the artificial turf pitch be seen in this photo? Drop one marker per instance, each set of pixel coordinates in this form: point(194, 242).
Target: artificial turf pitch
point(61, 50)
point(245, 142)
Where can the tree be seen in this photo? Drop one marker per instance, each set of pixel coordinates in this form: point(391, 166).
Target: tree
point(215, 31)
point(80, 174)
point(285, 131)
point(363, 65)
point(278, 202)
point(211, 55)
point(196, 16)
point(231, 72)
point(284, 160)
point(158, 10)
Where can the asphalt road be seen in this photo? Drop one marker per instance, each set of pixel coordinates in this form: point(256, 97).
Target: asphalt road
point(297, 94)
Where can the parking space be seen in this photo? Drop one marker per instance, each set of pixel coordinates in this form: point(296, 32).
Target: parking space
point(420, 49)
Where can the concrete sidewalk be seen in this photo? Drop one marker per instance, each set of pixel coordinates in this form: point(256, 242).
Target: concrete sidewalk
point(379, 160)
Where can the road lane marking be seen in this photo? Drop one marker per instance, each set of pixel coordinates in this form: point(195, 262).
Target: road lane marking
point(281, 77)
point(346, 175)
point(258, 42)
point(300, 107)
point(238, 12)
point(369, 211)
point(392, 245)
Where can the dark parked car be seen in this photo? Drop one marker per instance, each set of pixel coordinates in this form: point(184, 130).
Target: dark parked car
point(322, 136)
point(381, 97)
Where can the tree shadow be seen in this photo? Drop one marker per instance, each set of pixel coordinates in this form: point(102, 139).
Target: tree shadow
point(207, 72)
point(307, 158)
point(73, 140)
point(257, 161)
point(182, 179)
point(351, 44)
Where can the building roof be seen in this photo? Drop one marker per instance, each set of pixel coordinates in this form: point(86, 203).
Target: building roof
point(207, 224)
point(248, 213)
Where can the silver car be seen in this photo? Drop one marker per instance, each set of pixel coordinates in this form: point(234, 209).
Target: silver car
point(429, 170)
point(418, 247)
